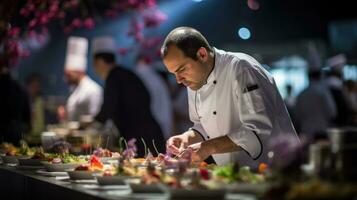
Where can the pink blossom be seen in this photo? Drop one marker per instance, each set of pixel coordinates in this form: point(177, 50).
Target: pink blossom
point(14, 31)
point(31, 34)
point(253, 4)
point(44, 19)
point(88, 23)
point(76, 23)
point(24, 12)
point(41, 38)
point(32, 23)
point(151, 3)
point(138, 36)
point(53, 7)
point(30, 7)
point(153, 19)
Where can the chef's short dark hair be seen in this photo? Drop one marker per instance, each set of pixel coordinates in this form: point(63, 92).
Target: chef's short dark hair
point(187, 39)
point(107, 57)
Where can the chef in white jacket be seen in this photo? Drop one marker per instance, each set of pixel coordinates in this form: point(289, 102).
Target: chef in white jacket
point(233, 101)
point(85, 94)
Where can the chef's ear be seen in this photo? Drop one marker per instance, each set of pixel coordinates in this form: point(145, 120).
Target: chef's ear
point(202, 54)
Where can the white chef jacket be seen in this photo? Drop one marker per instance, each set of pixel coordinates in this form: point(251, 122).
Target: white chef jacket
point(161, 104)
point(240, 100)
point(86, 99)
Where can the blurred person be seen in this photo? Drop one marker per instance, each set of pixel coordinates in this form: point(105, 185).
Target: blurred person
point(15, 115)
point(350, 91)
point(161, 105)
point(85, 94)
point(126, 100)
point(34, 89)
point(315, 108)
point(334, 80)
point(234, 103)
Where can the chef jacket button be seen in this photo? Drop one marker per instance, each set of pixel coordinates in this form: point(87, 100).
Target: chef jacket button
point(214, 82)
point(207, 137)
point(214, 112)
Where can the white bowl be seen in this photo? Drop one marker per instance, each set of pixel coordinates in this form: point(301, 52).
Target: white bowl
point(59, 167)
point(12, 159)
point(146, 188)
point(112, 180)
point(80, 175)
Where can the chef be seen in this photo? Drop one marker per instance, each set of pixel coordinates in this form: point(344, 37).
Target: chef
point(86, 95)
point(126, 100)
point(234, 103)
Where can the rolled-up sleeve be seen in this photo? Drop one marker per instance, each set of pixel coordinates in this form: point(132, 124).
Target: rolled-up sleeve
point(254, 112)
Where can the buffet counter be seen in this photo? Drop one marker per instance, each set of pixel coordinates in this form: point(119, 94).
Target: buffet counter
point(19, 184)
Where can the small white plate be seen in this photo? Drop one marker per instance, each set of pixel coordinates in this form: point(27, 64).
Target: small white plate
point(81, 175)
point(112, 180)
point(144, 188)
point(59, 167)
point(12, 159)
point(47, 173)
point(83, 181)
point(106, 187)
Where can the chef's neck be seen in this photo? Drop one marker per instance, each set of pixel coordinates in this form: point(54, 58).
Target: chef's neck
point(210, 64)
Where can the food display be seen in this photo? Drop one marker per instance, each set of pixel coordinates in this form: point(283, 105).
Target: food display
point(10, 153)
point(105, 155)
point(175, 175)
point(62, 162)
point(86, 171)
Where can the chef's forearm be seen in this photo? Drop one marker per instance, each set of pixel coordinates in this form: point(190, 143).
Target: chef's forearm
point(221, 145)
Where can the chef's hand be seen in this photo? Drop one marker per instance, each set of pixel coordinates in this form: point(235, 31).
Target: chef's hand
point(200, 151)
point(176, 144)
point(61, 113)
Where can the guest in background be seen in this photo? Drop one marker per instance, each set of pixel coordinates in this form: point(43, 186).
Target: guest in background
point(314, 108)
point(161, 105)
point(126, 100)
point(15, 117)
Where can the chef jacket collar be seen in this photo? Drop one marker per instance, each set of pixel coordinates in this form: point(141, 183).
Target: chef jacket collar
point(211, 79)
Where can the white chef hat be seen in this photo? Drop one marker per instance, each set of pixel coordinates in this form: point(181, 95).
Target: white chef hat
point(76, 57)
point(103, 44)
point(76, 62)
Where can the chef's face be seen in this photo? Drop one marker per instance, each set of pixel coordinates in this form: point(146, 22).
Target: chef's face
point(73, 77)
point(98, 66)
point(191, 73)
